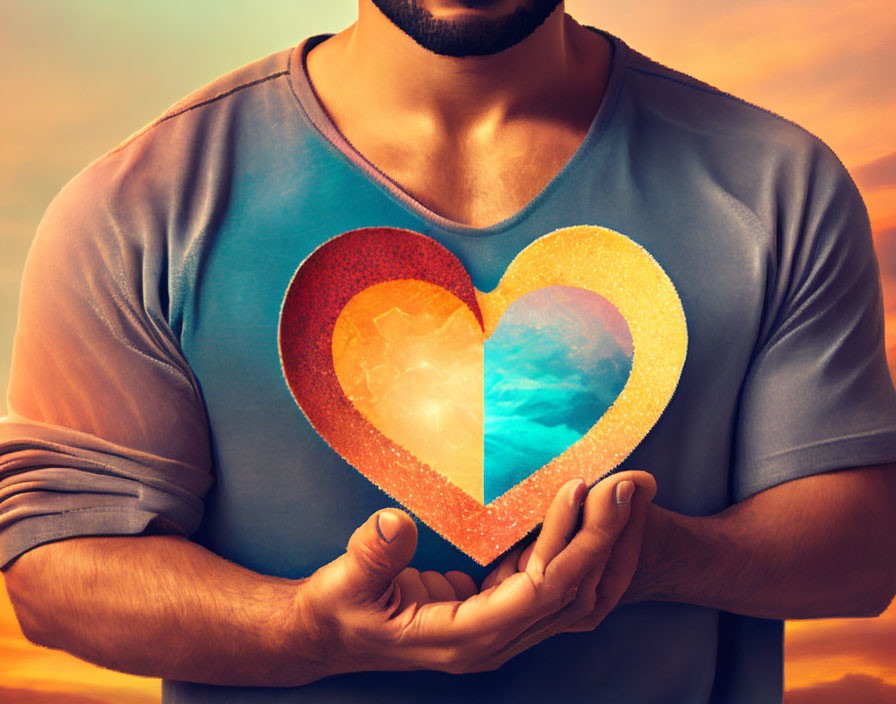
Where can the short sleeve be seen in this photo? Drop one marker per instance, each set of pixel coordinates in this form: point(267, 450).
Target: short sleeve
point(818, 395)
point(106, 432)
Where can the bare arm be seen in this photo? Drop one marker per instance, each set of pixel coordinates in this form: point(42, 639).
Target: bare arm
point(165, 607)
point(161, 606)
point(816, 547)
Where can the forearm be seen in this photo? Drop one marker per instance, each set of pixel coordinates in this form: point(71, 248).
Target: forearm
point(163, 606)
point(816, 547)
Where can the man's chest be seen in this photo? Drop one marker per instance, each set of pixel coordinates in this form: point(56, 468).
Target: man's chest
point(269, 458)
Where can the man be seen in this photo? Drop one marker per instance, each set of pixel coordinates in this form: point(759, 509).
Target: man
point(146, 362)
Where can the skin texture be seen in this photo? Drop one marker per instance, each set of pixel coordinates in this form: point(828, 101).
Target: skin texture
point(480, 137)
point(496, 129)
point(813, 547)
point(366, 610)
point(816, 547)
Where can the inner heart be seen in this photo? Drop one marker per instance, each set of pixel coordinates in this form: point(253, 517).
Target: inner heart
point(484, 411)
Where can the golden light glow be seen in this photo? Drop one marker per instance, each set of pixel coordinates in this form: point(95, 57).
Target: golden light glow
point(409, 355)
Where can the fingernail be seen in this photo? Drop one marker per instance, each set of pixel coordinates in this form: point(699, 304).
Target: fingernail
point(579, 494)
point(624, 491)
point(388, 525)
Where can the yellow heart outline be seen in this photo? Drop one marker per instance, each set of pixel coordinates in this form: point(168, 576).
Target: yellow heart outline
point(615, 267)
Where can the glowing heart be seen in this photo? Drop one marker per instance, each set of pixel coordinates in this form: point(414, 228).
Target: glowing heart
point(471, 408)
point(485, 414)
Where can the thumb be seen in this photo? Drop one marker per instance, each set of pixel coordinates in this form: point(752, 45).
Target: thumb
point(377, 551)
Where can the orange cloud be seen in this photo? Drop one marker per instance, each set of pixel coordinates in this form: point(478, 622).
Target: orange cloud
point(817, 651)
point(15, 695)
point(11, 695)
point(862, 689)
point(871, 641)
point(28, 668)
point(31, 696)
point(876, 174)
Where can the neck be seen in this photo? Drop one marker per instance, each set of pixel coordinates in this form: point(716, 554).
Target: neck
point(376, 63)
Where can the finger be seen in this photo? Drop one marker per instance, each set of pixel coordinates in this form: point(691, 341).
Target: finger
point(605, 588)
point(437, 586)
point(486, 620)
point(558, 526)
point(412, 589)
point(377, 551)
point(600, 594)
point(510, 617)
point(606, 512)
point(506, 567)
point(463, 584)
point(603, 520)
point(524, 558)
point(501, 612)
point(498, 615)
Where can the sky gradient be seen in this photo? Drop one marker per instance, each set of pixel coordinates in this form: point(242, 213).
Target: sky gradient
point(78, 78)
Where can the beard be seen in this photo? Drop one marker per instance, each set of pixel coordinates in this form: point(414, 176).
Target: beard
point(471, 36)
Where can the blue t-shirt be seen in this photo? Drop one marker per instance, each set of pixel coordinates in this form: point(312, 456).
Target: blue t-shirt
point(147, 380)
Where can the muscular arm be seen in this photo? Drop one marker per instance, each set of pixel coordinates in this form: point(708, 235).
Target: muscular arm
point(816, 547)
point(165, 607)
point(161, 606)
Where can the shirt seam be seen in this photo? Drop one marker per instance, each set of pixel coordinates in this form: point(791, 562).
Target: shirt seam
point(669, 75)
point(219, 96)
point(202, 103)
point(713, 91)
point(804, 461)
point(807, 448)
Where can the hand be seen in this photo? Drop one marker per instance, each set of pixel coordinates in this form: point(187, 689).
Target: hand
point(604, 552)
point(366, 611)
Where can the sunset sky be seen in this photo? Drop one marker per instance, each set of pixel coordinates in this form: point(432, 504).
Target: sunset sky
point(78, 77)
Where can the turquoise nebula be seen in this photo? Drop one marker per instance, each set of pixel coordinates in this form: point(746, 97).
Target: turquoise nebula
point(557, 361)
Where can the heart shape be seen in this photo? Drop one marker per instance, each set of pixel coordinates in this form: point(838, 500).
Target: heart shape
point(484, 413)
point(404, 368)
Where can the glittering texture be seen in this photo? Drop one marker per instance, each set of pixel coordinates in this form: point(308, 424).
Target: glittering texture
point(590, 258)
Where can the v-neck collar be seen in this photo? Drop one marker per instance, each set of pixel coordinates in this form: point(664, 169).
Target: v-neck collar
point(314, 110)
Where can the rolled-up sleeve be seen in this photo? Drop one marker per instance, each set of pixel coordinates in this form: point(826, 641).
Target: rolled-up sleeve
point(106, 431)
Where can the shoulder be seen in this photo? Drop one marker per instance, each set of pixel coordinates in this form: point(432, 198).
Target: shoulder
point(233, 87)
point(690, 117)
point(775, 167)
point(691, 104)
point(180, 133)
point(171, 170)
point(228, 90)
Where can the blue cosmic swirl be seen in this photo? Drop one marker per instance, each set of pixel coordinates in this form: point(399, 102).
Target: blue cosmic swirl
point(552, 369)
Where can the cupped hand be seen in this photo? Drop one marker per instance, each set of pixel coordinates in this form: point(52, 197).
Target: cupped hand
point(367, 610)
point(598, 560)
